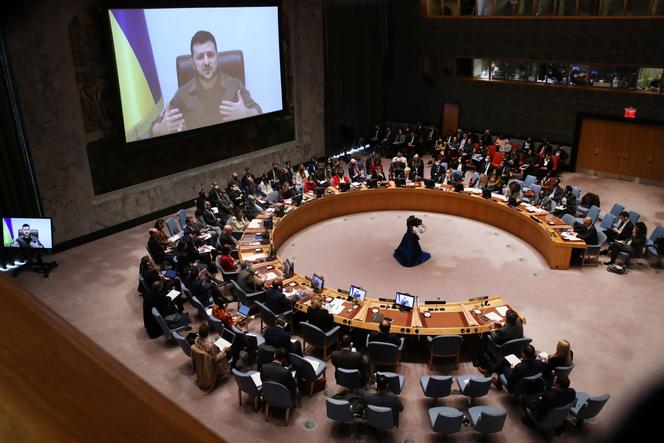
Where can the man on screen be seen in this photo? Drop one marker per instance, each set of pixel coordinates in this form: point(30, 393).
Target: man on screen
point(26, 240)
point(210, 97)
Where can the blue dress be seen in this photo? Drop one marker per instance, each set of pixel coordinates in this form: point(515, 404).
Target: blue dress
point(409, 253)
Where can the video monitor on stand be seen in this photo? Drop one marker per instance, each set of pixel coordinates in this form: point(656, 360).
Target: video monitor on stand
point(405, 301)
point(288, 269)
point(30, 237)
point(357, 293)
point(317, 283)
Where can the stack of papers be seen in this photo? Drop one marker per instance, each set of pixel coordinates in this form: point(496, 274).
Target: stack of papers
point(473, 190)
point(256, 377)
point(253, 257)
point(206, 236)
point(502, 310)
point(335, 306)
point(254, 224)
point(499, 197)
point(569, 236)
point(215, 210)
point(173, 294)
point(512, 359)
point(222, 344)
point(175, 237)
point(205, 249)
point(270, 276)
point(493, 316)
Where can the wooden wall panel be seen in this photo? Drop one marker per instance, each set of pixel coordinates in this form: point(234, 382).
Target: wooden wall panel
point(622, 148)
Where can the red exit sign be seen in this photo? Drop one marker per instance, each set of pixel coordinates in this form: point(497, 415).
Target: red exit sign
point(630, 112)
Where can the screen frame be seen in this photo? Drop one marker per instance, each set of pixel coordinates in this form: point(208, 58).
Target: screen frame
point(404, 295)
point(364, 292)
point(50, 220)
point(118, 117)
point(288, 267)
point(313, 284)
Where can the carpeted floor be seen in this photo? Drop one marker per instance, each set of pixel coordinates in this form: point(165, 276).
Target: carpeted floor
point(610, 320)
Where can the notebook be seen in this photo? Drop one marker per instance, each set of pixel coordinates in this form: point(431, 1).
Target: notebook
point(173, 294)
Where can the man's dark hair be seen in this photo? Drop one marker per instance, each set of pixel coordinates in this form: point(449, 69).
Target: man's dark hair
point(384, 326)
point(226, 250)
point(24, 225)
point(528, 352)
point(346, 341)
point(563, 381)
point(203, 331)
point(511, 316)
point(202, 37)
point(624, 214)
point(280, 354)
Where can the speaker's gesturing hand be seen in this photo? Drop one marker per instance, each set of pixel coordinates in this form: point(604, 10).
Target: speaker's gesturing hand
point(235, 110)
point(173, 121)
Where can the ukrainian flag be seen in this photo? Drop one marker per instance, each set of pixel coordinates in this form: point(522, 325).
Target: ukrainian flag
point(7, 231)
point(142, 101)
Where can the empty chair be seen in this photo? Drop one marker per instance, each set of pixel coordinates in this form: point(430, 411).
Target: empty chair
point(607, 221)
point(402, 340)
point(445, 420)
point(246, 298)
point(509, 347)
point(251, 340)
point(487, 420)
point(569, 219)
point(182, 218)
point(268, 317)
point(246, 383)
point(529, 181)
point(592, 251)
point(395, 381)
point(308, 368)
point(445, 346)
point(576, 192)
point(587, 407)
point(473, 386)
point(383, 354)
point(553, 419)
point(338, 410)
point(593, 213)
point(348, 378)
point(171, 225)
point(634, 217)
point(182, 341)
point(436, 386)
point(315, 336)
point(164, 326)
point(277, 395)
point(616, 209)
point(379, 417)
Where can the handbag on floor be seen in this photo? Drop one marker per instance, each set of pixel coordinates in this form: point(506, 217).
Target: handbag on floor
point(617, 269)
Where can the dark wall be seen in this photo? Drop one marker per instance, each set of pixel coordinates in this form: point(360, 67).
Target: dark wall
point(516, 109)
point(354, 65)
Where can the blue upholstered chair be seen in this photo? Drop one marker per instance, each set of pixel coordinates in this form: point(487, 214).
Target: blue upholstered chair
point(309, 369)
point(445, 420)
point(171, 225)
point(651, 250)
point(246, 298)
point(586, 407)
point(338, 410)
point(200, 307)
point(530, 385)
point(553, 419)
point(607, 222)
point(383, 354)
point(509, 347)
point(182, 341)
point(268, 317)
point(444, 346)
point(315, 336)
point(473, 386)
point(348, 378)
point(395, 381)
point(569, 219)
point(593, 250)
point(634, 217)
point(616, 209)
point(436, 386)
point(277, 395)
point(245, 383)
point(529, 181)
point(379, 417)
point(164, 326)
point(487, 420)
point(593, 213)
point(182, 218)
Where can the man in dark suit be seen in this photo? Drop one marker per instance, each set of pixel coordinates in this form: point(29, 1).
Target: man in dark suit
point(346, 358)
point(558, 395)
point(587, 232)
point(385, 399)
point(277, 336)
point(512, 329)
point(157, 249)
point(277, 372)
point(276, 300)
point(214, 194)
point(385, 335)
point(623, 231)
point(528, 366)
point(318, 316)
point(226, 237)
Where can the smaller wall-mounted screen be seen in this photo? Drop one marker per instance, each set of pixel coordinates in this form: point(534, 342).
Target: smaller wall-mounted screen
point(27, 233)
point(185, 68)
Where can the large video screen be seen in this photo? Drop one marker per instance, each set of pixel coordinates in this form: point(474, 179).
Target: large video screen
point(27, 233)
point(185, 68)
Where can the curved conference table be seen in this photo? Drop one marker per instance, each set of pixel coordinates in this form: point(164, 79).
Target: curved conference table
point(538, 228)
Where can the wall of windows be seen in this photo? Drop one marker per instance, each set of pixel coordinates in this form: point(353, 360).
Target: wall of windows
point(543, 8)
point(637, 79)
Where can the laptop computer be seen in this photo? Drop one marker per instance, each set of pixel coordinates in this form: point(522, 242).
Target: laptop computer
point(243, 311)
point(170, 273)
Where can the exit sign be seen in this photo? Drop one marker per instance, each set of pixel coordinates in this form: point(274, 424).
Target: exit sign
point(630, 112)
